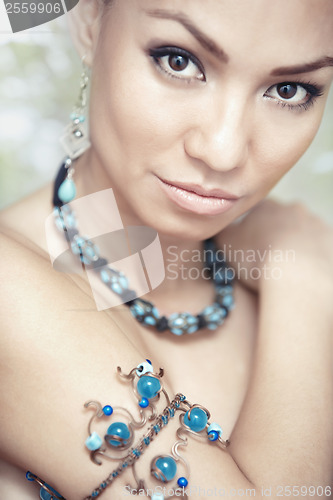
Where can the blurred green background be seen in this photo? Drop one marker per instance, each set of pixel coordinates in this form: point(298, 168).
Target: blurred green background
point(39, 83)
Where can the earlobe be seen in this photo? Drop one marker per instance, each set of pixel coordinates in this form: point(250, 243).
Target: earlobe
point(83, 22)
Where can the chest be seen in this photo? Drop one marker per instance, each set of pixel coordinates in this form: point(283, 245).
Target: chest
point(210, 368)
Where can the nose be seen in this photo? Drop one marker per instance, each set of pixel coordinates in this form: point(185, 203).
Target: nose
point(221, 135)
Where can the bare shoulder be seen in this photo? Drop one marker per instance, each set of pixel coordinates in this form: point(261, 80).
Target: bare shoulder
point(56, 352)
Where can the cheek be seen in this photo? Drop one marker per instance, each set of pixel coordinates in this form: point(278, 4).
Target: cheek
point(281, 144)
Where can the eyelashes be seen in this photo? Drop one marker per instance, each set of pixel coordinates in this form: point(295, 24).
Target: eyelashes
point(177, 63)
point(294, 95)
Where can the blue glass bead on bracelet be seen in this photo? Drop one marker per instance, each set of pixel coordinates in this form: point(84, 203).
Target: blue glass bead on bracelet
point(46, 491)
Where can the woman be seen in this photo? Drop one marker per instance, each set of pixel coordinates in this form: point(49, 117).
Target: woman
point(196, 110)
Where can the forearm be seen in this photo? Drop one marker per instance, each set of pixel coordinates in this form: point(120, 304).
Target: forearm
point(284, 433)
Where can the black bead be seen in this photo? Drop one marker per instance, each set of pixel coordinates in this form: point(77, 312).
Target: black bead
point(61, 176)
point(128, 297)
point(70, 233)
point(162, 324)
point(226, 310)
point(100, 262)
point(201, 321)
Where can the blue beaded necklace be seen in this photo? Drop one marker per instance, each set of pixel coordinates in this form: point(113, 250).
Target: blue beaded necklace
point(143, 311)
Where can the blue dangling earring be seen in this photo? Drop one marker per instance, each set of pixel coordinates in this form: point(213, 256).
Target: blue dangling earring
point(75, 139)
point(67, 189)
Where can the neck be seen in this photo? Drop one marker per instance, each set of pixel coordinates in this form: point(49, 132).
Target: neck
point(183, 258)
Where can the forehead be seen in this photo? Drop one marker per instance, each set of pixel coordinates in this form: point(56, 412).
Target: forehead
point(296, 29)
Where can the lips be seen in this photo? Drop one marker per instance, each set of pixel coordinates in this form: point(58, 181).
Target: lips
point(207, 193)
point(197, 199)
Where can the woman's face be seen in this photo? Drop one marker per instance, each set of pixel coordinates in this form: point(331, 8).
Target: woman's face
point(199, 107)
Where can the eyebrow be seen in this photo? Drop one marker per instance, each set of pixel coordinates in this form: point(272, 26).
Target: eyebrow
point(324, 62)
point(212, 47)
point(202, 38)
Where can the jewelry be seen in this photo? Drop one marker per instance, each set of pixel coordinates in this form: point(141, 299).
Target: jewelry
point(144, 311)
point(46, 491)
point(147, 387)
point(75, 139)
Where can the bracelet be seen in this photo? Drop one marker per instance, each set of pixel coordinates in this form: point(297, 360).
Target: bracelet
point(147, 387)
point(46, 491)
point(118, 440)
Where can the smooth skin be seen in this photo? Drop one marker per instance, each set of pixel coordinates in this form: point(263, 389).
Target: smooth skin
point(222, 121)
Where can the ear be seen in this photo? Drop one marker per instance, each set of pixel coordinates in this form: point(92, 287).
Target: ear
point(84, 25)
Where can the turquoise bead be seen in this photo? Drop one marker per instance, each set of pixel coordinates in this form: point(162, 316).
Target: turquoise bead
point(214, 427)
point(67, 191)
point(45, 495)
point(157, 496)
point(120, 430)
point(197, 421)
point(93, 442)
point(167, 468)
point(228, 301)
point(148, 387)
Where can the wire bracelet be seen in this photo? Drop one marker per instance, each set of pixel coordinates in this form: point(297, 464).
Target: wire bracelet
point(119, 437)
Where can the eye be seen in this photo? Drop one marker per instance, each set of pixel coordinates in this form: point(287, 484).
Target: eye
point(293, 94)
point(143, 368)
point(178, 63)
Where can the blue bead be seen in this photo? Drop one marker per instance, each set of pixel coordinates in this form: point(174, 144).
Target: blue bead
point(214, 427)
point(148, 387)
point(107, 410)
point(228, 300)
point(165, 419)
point(192, 320)
point(144, 403)
point(123, 282)
point(45, 495)
point(157, 428)
point(67, 191)
point(182, 482)
point(116, 288)
point(197, 421)
point(176, 331)
point(29, 476)
point(149, 320)
point(178, 322)
point(167, 469)
point(213, 436)
point(105, 276)
point(146, 440)
point(93, 442)
point(120, 430)
point(138, 309)
point(95, 494)
point(157, 496)
point(212, 326)
point(155, 312)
